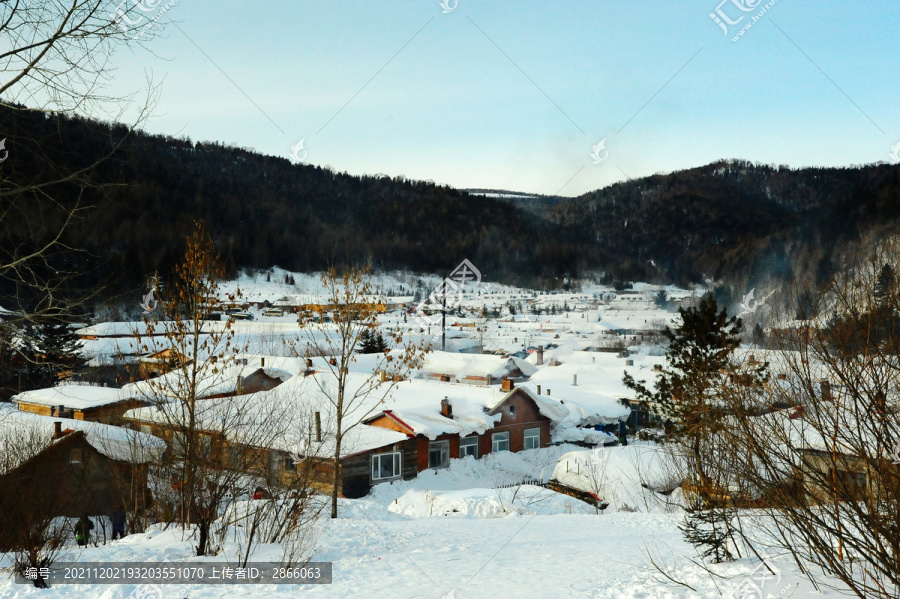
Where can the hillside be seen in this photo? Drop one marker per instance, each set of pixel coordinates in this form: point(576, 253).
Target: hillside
point(732, 221)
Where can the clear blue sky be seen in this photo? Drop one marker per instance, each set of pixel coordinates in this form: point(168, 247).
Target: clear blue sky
point(515, 94)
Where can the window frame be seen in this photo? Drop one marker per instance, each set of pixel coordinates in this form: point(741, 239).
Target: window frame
point(442, 446)
point(526, 437)
point(499, 438)
point(396, 462)
point(466, 442)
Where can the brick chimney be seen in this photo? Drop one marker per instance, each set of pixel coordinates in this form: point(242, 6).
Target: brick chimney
point(540, 355)
point(57, 430)
point(507, 385)
point(446, 408)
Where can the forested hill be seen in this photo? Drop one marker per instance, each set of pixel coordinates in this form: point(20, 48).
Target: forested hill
point(262, 210)
point(729, 220)
point(734, 221)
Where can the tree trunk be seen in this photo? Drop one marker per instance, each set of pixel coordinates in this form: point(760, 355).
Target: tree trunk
point(203, 525)
point(337, 474)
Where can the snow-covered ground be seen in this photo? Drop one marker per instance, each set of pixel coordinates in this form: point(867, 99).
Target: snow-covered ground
point(450, 533)
point(471, 530)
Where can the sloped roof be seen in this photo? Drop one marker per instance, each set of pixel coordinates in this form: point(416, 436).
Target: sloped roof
point(215, 380)
point(112, 441)
point(79, 397)
point(463, 365)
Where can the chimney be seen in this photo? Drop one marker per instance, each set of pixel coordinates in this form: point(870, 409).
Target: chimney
point(262, 362)
point(540, 355)
point(332, 361)
point(446, 408)
point(309, 362)
point(507, 385)
point(538, 389)
point(574, 380)
point(548, 391)
point(489, 379)
point(318, 427)
point(57, 430)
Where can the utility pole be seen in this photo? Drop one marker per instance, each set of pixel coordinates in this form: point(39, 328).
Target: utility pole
point(444, 319)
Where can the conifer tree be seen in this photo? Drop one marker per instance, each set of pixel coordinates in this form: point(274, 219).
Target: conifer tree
point(53, 349)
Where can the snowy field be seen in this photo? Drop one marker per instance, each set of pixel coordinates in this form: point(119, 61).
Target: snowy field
point(450, 534)
point(472, 529)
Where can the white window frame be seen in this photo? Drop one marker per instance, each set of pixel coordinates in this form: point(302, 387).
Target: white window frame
point(532, 433)
point(498, 439)
point(444, 448)
point(466, 442)
point(397, 459)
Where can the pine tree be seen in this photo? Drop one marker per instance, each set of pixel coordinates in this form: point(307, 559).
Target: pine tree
point(661, 299)
point(692, 394)
point(371, 343)
point(53, 349)
point(884, 284)
point(708, 528)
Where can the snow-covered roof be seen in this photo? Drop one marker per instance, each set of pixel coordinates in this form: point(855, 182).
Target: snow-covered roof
point(417, 403)
point(215, 379)
point(463, 365)
point(595, 398)
point(73, 396)
point(112, 441)
point(288, 409)
point(281, 418)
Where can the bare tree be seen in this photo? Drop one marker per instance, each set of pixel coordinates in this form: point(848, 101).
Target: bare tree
point(196, 351)
point(355, 307)
point(826, 462)
point(55, 65)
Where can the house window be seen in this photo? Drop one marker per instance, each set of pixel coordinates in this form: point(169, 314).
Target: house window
point(532, 438)
point(386, 466)
point(512, 411)
point(500, 441)
point(439, 454)
point(469, 446)
point(76, 455)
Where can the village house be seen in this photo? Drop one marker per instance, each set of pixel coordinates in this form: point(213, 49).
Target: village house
point(474, 369)
point(94, 468)
point(79, 401)
point(420, 424)
point(239, 375)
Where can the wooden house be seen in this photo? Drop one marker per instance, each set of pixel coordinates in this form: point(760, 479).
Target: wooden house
point(79, 402)
point(77, 468)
